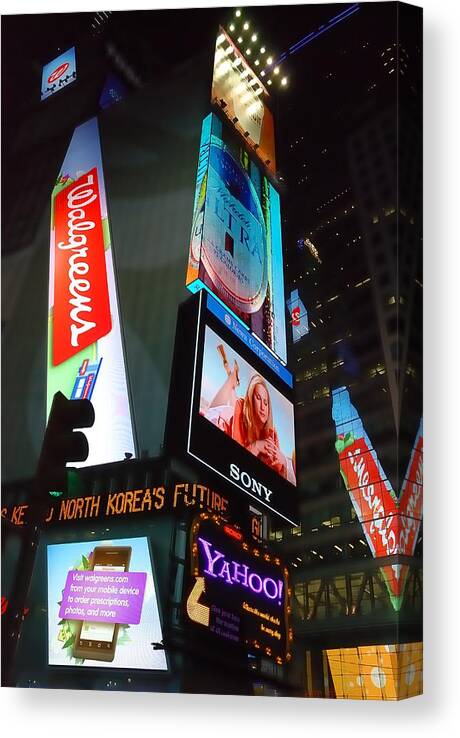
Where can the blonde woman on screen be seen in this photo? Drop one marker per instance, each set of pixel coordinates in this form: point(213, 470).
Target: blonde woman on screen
point(249, 419)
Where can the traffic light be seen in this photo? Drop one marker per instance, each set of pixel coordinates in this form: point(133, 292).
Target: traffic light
point(62, 444)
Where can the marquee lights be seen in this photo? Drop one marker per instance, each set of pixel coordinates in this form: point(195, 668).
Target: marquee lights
point(237, 592)
point(248, 51)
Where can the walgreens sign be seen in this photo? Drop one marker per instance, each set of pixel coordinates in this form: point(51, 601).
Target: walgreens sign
point(81, 295)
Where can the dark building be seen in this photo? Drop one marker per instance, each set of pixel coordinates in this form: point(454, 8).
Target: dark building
point(348, 145)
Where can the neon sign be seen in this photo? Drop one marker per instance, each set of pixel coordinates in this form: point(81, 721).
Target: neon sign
point(238, 593)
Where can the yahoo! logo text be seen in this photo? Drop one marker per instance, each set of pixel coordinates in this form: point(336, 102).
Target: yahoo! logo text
point(233, 572)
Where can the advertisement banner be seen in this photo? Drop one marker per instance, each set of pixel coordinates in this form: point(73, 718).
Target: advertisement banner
point(298, 316)
point(388, 672)
point(102, 606)
point(85, 350)
point(239, 92)
point(59, 73)
point(236, 246)
point(236, 594)
point(390, 524)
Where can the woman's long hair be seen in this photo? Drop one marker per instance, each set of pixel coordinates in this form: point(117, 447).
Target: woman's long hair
point(248, 411)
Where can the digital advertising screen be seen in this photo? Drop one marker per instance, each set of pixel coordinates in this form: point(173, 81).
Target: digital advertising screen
point(236, 247)
point(85, 347)
point(390, 522)
point(382, 672)
point(241, 94)
point(239, 411)
point(102, 605)
point(237, 594)
point(59, 73)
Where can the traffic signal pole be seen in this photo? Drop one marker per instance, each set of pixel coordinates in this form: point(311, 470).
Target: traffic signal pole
point(61, 445)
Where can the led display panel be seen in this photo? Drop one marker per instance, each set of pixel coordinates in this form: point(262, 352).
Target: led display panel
point(390, 523)
point(85, 348)
point(237, 594)
point(240, 422)
point(102, 605)
point(298, 316)
point(236, 247)
point(59, 73)
point(382, 672)
point(241, 94)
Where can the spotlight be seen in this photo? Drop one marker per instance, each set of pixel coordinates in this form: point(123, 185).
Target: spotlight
point(276, 70)
point(246, 26)
point(254, 37)
point(269, 82)
point(270, 60)
point(238, 13)
point(262, 50)
point(262, 74)
point(284, 81)
point(257, 62)
point(232, 26)
point(240, 39)
point(248, 52)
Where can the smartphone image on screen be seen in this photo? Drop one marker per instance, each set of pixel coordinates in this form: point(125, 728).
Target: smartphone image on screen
point(99, 640)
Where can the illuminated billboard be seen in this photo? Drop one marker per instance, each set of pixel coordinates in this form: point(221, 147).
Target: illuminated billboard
point(236, 248)
point(238, 594)
point(231, 407)
point(59, 73)
point(240, 94)
point(298, 316)
point(388, 672)
point(85, 350)
point(390, 523)
point(102, 605)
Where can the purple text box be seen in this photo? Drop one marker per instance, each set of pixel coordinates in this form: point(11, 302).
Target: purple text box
point(103, 596)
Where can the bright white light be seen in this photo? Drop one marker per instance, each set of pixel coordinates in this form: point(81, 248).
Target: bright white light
point(270, 60)
point(254, 37)
point(245, 73)
point(276, 70)
point(284, 81)
point(240, 39)
point(238, 13)
point(229, 50)
point(232, 27)
point(262, 74)
point(262, 50)
point(254, 108)
point(248, 52)
point(269, 82)
point(259, 91)
point(257, 62)
point(246, 26)
point(220, 39)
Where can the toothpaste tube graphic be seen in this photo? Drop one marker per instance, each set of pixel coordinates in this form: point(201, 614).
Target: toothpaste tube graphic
point(85, 380)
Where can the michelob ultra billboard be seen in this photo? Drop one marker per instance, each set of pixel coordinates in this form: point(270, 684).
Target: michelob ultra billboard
point(236, 247)
point(85, 350)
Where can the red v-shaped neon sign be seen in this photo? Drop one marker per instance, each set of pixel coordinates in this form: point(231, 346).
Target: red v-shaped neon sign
point(390, 524)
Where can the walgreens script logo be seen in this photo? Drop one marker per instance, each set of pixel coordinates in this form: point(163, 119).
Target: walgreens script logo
point(81, 296)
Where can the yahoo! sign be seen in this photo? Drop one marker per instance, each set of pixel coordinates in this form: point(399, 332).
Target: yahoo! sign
point(236, 573)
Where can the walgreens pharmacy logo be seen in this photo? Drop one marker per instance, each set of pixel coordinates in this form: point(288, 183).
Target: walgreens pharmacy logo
point(81, 296)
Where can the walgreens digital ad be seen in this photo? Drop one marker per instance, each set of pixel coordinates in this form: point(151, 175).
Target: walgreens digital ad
point(85, 347)
point(102, 605)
